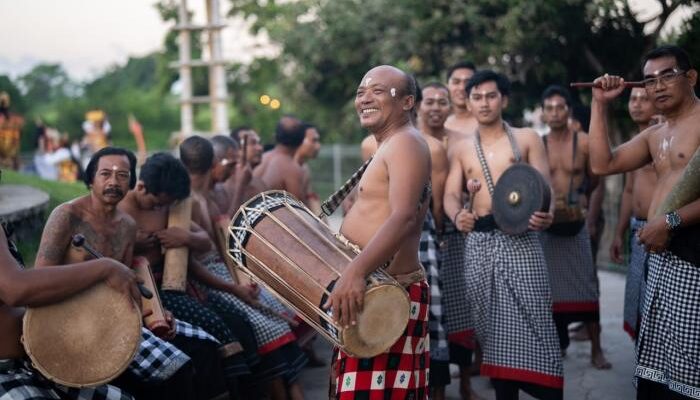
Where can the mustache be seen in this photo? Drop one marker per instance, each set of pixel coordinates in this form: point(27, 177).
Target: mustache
point(114, 191)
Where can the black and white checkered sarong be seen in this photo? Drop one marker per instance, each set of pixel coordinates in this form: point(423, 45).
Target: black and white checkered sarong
point(572, 273)
point(668, 347)
point(428, 256)
point(156, 360)
point(455, 308)
point(509, 295)
point(634, 283)
point(185, 329)
point(271, 332)
point(19, 381)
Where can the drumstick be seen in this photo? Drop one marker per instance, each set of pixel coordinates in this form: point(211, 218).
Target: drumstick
point(631, 84)
point(79, 241)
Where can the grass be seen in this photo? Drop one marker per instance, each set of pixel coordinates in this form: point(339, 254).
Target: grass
point(59, 192)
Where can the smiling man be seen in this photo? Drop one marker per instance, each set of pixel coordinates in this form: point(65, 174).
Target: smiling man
point(385, 222)
point(668, 355)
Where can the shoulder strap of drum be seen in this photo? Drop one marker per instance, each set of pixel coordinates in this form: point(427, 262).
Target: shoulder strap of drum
point(333, 201)
point(571, 195)
point(482, 159)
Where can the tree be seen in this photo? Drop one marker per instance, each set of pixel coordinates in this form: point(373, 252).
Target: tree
point(46, 83)
point(328, 45)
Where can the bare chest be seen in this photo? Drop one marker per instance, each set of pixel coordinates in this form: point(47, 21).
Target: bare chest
point(109, 239)
point(671, 149)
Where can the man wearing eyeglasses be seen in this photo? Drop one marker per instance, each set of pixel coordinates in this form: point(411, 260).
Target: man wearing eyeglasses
point(668, 354)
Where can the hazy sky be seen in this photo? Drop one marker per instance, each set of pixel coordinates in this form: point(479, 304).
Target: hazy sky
point(87, 36)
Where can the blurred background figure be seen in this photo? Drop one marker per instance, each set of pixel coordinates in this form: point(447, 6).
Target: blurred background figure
point(10, 128)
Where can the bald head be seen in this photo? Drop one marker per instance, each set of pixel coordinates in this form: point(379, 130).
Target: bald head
point(403, 83)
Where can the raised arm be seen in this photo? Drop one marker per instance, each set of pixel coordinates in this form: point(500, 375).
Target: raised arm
point(628, 156)
point(294, 182)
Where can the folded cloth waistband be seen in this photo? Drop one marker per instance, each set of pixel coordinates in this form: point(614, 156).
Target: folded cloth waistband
point(487, 223)
point(410, 278)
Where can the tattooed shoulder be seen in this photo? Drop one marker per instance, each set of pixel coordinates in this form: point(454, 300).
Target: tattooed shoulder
point(56, 236)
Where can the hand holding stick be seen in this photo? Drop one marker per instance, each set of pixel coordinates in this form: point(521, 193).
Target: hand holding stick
point(79, 241)
point(589, 85)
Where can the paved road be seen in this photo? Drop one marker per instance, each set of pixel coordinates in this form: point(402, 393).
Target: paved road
point(582, 382)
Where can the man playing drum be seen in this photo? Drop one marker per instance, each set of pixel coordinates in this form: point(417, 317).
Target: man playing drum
point(668, 356)
point(566, 244)
point(634, 208)
point(110, 174)
point(507, 286)
point(34, 287)
point(385, 222)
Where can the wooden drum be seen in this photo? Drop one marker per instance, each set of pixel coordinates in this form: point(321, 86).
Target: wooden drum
point(283, 246)
point(85, 340)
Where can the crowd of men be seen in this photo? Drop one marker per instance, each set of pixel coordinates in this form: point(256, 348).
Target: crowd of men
point(423, 211)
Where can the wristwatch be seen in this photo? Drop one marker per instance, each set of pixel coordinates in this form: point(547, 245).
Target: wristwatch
point(673, 221)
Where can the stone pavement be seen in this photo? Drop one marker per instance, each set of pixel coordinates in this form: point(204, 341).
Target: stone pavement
point(582, 382)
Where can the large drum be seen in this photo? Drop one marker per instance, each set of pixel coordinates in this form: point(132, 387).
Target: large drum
point(283, 246)
point(85, 340)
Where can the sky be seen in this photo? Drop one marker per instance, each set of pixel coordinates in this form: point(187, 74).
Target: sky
point(89, 36)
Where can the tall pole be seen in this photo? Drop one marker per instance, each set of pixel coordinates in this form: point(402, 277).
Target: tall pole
point(217, 72)
point(185, 45)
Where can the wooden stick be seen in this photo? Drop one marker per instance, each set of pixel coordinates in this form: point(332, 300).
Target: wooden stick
point(584, 85)
point(176, 259)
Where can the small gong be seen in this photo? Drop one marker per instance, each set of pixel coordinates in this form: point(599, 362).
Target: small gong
point(520, 191)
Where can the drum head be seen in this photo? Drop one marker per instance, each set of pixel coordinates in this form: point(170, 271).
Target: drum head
point(382, 321)
point(520, 191)
point(86, 340)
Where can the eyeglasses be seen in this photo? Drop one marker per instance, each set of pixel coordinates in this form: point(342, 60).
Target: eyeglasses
point(666, 78)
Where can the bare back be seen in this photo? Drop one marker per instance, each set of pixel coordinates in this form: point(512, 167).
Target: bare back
point(279, 171)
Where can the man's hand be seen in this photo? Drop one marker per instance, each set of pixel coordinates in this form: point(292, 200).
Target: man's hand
point(610, 87)
point(592, 228)
point(247, 293)
point(173, 237)
point(347, 298)
point(616, 250)
point(170, 319)
point(654, 236)
point(464, 220)
point(145, 240)
point(540, 220)
point(122, 279)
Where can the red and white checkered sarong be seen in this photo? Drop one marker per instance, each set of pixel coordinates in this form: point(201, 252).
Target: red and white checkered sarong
point(399, 373)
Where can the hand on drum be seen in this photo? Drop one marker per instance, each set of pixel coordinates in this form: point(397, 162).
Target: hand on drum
point(654, 236)
point(540, 220)
point(347, 298)
point(122, 279)
point(173, 237)
point(607, 87)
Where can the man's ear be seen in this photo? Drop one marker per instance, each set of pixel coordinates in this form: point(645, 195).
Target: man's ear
point(409, 102)
point(504, 104)
point(692, 77)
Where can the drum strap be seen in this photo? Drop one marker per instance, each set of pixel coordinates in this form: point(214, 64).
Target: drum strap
point(572, 200)
point(333, 202)
point(482, 159)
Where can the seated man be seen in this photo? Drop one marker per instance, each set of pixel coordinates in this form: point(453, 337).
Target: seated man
point(36, 287)
point(110, 173)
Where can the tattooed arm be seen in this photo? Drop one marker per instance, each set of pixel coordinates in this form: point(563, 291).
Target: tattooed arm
point(56, 237)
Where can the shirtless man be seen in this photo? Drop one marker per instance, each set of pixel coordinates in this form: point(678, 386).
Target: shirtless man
point(634, 208)
point(309, 150)
point(109, 175)
point(251, 154)
point(566, 244)
point(229, 174)
point(667, 350)
point(462, 122)
point(278, 169)
point(507, 284)
point(20, 288)
point(385, 222)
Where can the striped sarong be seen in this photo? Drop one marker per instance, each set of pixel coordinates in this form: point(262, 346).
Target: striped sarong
point(668, 346)
point(508, 290)
point(634, 282)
